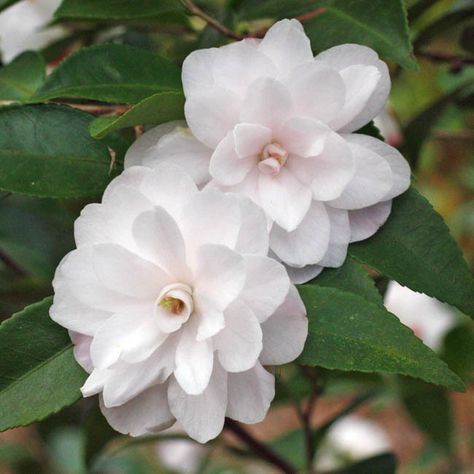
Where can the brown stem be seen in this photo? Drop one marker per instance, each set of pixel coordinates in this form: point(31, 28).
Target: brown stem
point(11, 264)
point(195, 10)
point(258, 448)
point(456, 62)
point(100, 109)
point(310, 15)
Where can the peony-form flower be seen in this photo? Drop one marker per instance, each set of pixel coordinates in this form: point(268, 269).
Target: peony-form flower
point(427, 317)
point(174, 306)
point(23, 26)
point(276, 124)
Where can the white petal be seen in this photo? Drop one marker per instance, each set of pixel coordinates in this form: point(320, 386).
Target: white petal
point(286, 44)
point(226, 166)
point(267, 102)
point(90, 227)
point(250, 394)
point(202, 416)
point(198, 70)
point(317, 91)
point(303, 136)
point(372, 180)
point(159, 239)
point(250, 139)
point(339, 238)
point(265, 286)
point(253, 237)
point(194, 360)
point(147, 413)
point(94, 383)
point(239, 344)
point(308, 243)
point(365, 222)
point(303, 274)
point(82, 350)
point(400, 168)
point(212, 114)
point(284, 198)
point(174, 143)
point(347, 55)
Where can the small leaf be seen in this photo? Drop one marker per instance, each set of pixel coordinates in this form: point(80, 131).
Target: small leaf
point(347, 332)
point(46, 150)
point(38, 373)
point(415, 248)
point(159, 108)
point(113, 73)
point(21, 78)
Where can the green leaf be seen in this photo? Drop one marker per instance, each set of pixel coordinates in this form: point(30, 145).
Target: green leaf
point(46, 150)
point(372, 130)
point(347, 332)
point(116, 9)
point(379, 24)
point(380, 464)
point(350, 277)
point(20, 79)
point(159, 108)
point(38, 373)
point(415, 248)
point(6, 3)
point(113, 73)
point(458, 350)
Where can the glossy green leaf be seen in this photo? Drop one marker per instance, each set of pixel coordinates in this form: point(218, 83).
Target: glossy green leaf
point(379, 24)
point(415, 248)
point(350, 277)
point(46, 150)
point(458, 350)
point(21, 78)
point(116, 9)
point(159, 108)
point(380, 464)
point(113, 73)
point(38, 373)
point(347, 332)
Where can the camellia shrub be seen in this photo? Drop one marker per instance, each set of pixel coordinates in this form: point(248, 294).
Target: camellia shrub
point(237, 214)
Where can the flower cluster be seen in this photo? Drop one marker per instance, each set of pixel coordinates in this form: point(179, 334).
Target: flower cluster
point(180, 290)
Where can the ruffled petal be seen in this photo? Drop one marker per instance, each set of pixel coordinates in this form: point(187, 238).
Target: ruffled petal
point(365, 222)
point(250, 139)
point(339, 238)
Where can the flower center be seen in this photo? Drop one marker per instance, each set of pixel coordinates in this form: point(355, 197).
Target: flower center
point(177, 299)
point(272, 158)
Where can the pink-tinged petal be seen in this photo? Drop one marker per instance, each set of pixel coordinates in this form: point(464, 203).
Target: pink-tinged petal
point(303, 136)
point(308, 243)
point(129, 337)
point(317, 91)
point(253, 237)
point(286, 44)
point(248, 187)
point(372, 180)
point(339, 238)
point(226, 166)
point(198, 71)
point(265, 286)
point(90, 227)
point(284, 198)
point(400, 168)
point(160, 241)
point(267, 102)
point(145, 414)
point(239, 344)
point(367, 221)
point(125, 272)
point(202, 416)
point(126, 381)
point(82, 350)
point(220, 274)
point(303, 274)
point(250, 139)
point(194, 360)
point(171, 143)
point(212, 114)
point(284, 333)
point(250, 394)
point(345, 56)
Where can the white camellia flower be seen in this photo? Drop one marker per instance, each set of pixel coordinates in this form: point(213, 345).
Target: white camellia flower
point(268, 120)
point(23, 26)
point(427, 317)
point(175, 307)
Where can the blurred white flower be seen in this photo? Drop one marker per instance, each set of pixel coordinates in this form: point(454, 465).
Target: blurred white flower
point(176, 305)
point(270, 121)
point(389, 127)
point(427, 317)
point(352, 439)
point(23, 26)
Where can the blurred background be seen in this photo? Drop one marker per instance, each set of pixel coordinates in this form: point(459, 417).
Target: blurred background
point(430, 118)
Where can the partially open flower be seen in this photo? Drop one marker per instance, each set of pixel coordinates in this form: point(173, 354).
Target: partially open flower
point(174, 305)
point(276, 124)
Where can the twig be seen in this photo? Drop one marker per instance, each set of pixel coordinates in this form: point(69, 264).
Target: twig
point(310, 15)
point(100, 109)
point(195, 10)
point(258, 448)
point(456, 62)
